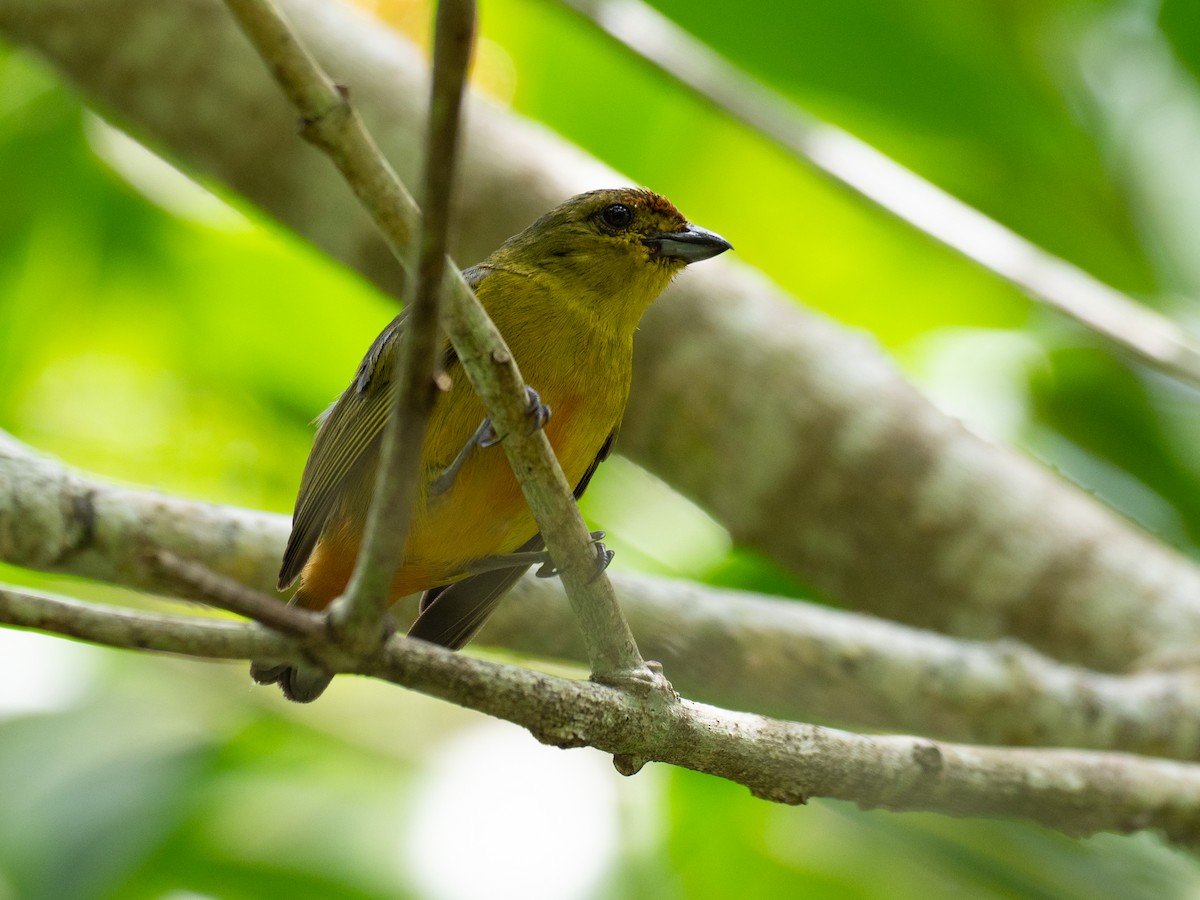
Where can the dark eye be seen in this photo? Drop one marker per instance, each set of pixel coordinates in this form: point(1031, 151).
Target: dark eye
point(618, 215)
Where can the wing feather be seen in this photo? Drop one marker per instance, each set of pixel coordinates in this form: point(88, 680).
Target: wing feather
point(347, 438)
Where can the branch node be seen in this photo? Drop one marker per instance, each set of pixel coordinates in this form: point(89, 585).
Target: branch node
point(779, 794)
point(928, 757)
point(563, 737)
point(628, 764)
point(644, 683)
point(349, 633)
point(316, 128)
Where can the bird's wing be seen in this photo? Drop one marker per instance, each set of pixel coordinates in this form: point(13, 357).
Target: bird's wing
point(348, 435)
point(605, 450)
point(452, 614)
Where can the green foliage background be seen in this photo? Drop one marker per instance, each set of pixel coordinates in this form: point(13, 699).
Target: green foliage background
point(155, 336)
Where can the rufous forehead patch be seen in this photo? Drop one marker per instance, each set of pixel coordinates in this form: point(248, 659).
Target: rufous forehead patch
point(657, 204)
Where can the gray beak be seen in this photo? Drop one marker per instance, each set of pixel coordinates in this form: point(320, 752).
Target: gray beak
point(691, 245)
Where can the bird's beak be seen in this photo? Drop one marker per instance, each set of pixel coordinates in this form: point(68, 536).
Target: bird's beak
point(690, 245)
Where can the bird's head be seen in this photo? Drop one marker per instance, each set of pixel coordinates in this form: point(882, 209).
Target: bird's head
point(616, 249)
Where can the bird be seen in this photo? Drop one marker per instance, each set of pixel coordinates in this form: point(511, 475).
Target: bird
point(567, 294)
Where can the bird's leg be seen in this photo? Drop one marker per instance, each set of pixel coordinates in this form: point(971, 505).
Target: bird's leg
point(485, 436)
point(538, 557)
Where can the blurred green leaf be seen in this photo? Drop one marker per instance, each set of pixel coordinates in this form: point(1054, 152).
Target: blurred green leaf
point(1110, 412)
point(831, 849)
point(1180, 22)
point(77, 820)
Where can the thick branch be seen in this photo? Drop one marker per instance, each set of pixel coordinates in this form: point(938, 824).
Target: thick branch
point(1076, 792)
point(735, 649)
point(57, 520)
point(841, 471)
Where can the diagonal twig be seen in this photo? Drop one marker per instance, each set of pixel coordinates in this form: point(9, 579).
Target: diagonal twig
point(357, 615)
point(225, 593)
point(855, 164)
point(110, 626)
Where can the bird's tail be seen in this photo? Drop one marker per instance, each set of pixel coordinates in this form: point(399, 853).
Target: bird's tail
point(299, 683)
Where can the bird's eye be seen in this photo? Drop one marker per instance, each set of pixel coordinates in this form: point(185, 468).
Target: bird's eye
point(618, 215)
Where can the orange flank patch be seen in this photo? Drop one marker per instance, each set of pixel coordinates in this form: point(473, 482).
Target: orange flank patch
point(332, 563)
point(328, 569)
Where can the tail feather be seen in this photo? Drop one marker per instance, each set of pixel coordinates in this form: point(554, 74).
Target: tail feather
point(453, 613)
point(300, 684)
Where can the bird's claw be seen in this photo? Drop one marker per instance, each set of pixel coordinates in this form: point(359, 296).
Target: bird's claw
point(603, 557)
point(486, 436)
point(538, 412)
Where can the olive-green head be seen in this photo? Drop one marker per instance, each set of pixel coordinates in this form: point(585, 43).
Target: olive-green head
point(619, 246)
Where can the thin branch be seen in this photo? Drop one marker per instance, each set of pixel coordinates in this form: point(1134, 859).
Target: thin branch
point(329, 121)
point(358, 614)
point(855, 164)
point(224, 593)
point(1076, 792)
point(332, 125)
point(611, 649)
point(732, 648)
point(137, 630)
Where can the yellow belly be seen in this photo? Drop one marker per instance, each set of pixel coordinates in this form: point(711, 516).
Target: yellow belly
point(484, 513)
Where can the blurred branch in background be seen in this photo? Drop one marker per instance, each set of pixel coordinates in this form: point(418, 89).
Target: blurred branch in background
point(842, 472)
point(778, 657)
point(1074, 791)
point(1147, 335)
